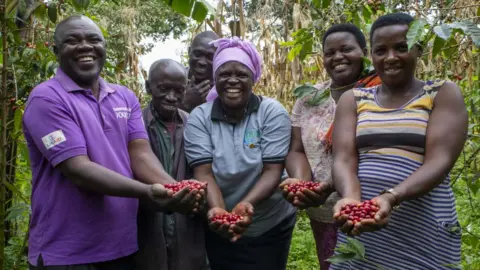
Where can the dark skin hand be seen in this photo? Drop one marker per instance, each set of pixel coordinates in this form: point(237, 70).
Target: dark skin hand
point(298, 167)
point(166, 84)
point(215, 201)
point(342, 57)
point(145, 166)
point(345, 158)
point(445, 137)
point(264, 188)
point(196, 93)
point(95, 178)
point(200, 61)
point(446, 131)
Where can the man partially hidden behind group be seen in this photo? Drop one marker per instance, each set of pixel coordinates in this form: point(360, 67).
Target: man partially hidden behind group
point(200, 71)
point(91, 162)
point(168, 241)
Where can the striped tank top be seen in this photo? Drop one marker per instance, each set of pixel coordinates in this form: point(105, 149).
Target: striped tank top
point(423, 233)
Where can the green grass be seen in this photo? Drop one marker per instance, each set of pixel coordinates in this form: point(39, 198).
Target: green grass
point(303, 255)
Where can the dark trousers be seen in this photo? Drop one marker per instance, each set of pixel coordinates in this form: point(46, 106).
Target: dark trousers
point(125, 263)
point(268, 251)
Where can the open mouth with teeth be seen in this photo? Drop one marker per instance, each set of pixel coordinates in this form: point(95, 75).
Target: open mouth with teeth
point(85, 59)
point(392, 70)
point(233, 92)
point(169, 107)
point(340, 67)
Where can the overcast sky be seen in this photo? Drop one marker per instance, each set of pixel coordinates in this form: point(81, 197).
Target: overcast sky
point(171, 48)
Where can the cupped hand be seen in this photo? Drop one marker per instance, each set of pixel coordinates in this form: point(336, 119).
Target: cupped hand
point(346, 225)
point(200, 196)
point(245, 210)
point(306, 198)
point(384, 202)
point(217, 226)
point(289, 196)
point(182, 201)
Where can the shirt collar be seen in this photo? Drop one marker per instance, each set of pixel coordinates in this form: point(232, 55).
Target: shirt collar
point(151, 117)
point(218, 112)
point(69, 85)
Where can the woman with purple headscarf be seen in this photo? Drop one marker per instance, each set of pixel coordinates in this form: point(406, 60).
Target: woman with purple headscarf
point(237, 143)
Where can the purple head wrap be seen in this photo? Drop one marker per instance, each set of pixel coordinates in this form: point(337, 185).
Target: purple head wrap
point(235, 49)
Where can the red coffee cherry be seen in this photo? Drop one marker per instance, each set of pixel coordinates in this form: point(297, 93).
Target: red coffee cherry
point(361, 211)
point(301, 186)
point(228, 219)
point(185, 183)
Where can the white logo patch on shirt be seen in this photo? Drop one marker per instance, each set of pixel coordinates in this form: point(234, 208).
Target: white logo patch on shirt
point(54, 138)
point(123, 112)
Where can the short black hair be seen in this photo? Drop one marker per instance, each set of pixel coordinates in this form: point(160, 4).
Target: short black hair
point(60, 25)
point(346, 27)
point(397, 18)
point(164, 63)
point(63, 22)
point(205, 34)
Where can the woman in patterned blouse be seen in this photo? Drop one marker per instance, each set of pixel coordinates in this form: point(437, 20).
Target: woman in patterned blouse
point(344, 47)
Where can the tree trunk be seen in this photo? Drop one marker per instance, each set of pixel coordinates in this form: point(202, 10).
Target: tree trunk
point(3, 132)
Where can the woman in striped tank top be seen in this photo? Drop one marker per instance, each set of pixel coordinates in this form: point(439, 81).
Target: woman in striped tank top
point(396, 143)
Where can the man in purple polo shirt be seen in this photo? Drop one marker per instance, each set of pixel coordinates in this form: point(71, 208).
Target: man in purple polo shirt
point(87, 142)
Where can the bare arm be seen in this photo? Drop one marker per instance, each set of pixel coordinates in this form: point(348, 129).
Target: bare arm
point(266, 185)
point(446, 136)
point(93, 177)
point(204, 173)
point(145, 165)
point(345, 155)
point(296, 161)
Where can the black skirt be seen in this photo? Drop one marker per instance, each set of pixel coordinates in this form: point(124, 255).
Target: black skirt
point(268, 251)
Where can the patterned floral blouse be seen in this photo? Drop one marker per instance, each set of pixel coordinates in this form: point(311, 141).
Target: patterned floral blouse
point(314, 122)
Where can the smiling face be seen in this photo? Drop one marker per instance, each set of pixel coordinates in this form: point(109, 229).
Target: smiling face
point(201, 58)
point(392, 60)
point(80, 49)
point(167, 86)
point(234, 82)
point(342, 58)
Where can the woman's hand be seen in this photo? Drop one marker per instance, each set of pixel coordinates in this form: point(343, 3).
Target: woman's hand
point(217, 226)
point(385, 204)
point(245, 210)
point(346, 225)
point(306, 198)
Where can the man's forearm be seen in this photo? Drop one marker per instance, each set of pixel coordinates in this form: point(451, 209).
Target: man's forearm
point(147, 168)
point(95, 178)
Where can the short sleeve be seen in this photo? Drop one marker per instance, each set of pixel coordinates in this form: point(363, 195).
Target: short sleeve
point(53, 130)
point(197, 138)
point(297, 112)
point(136, 126)
point(276, 134)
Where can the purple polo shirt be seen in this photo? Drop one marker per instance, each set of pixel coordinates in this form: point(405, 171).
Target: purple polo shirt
point(70, 225)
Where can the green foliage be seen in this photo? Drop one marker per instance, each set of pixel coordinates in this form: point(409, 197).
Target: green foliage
point(415, 32)
point(198, 10)
point(302, 255)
